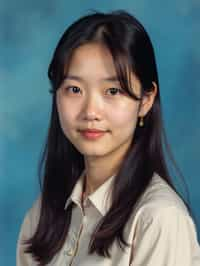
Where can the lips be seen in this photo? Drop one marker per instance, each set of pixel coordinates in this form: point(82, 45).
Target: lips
point(92, 134)
point(92, 131)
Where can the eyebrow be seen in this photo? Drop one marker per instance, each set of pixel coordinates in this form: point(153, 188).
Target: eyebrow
point(78, 78)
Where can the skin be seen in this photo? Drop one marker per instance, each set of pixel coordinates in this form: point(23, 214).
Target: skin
point(93, 104)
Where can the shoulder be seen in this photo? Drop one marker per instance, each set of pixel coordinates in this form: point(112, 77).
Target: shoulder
point(157, 204)
point(34, 211)
point(27, 230)
point(158, 196)
point(31, 218)
point(161, 229)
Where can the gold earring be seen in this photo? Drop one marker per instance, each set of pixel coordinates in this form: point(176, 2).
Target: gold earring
point(141, 123)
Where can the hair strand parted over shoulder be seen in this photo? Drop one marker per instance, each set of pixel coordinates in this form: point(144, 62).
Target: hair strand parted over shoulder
point(130, 46)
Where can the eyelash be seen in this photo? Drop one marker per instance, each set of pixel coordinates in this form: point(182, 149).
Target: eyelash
point(119, 90)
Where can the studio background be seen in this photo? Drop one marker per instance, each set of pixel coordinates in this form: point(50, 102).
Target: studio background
point(29, 31)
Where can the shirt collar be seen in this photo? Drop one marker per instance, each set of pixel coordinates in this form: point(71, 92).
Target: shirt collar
point(100, 198)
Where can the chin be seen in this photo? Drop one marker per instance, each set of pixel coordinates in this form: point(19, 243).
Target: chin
point(92, 151)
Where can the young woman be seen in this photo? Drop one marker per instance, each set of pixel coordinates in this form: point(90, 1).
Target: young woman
point(107, 197)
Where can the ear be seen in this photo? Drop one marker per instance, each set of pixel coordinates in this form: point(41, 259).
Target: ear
point(147, 101)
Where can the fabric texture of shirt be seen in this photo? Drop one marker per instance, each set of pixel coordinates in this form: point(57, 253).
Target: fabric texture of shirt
point(160, 230)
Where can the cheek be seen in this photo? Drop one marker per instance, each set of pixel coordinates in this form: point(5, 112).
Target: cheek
point(66, 117)
point(123, 118)
point(65, 114)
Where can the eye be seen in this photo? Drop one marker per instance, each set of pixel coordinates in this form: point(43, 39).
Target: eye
point(75, 90)
point(72, 89)
point(115, 90)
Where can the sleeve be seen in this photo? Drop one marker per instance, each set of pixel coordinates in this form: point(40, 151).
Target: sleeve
point(167, 239)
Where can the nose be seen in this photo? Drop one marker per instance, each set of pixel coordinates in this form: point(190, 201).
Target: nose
point(92, 108)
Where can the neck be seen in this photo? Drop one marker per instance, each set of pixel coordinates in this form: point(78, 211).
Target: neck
point(98, 170)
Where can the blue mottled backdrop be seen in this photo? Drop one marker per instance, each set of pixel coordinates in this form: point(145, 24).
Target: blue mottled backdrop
point(29, 31)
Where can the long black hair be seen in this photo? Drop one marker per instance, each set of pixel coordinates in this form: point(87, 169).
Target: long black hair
point(61, 163)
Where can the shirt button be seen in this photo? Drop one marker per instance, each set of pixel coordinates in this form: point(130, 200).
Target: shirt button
point(69, 252)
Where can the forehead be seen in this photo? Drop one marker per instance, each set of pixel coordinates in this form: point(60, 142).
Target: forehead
point(91, 58)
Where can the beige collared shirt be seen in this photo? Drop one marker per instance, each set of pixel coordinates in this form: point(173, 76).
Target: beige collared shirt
point(160, 230)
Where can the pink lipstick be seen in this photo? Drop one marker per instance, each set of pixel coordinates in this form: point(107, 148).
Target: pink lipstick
point(92, 133)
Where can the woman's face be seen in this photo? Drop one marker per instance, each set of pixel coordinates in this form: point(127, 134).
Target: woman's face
point(90, 98)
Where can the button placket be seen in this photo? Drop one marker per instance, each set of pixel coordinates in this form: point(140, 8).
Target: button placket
point(71, 245)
